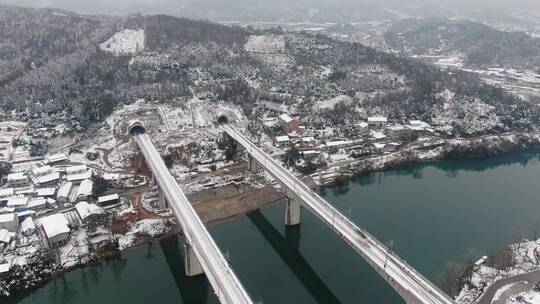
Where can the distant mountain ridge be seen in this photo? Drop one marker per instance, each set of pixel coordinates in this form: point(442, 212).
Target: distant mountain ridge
point(480, 44)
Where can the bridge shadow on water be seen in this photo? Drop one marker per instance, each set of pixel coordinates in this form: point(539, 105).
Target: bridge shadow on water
point(287, 248)
point(194, 290)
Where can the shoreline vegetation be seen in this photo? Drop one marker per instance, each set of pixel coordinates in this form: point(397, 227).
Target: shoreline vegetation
point(44, 270)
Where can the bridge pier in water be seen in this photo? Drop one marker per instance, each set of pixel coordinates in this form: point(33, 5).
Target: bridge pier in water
point(192, 265)
point(292, 212)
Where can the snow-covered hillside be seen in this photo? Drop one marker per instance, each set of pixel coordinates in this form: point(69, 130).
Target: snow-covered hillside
point(125, 42)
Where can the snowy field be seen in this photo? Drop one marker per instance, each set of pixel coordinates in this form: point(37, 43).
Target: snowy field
point(125, 42)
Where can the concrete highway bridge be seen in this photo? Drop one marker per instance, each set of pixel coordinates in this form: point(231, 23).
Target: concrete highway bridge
point(203, 255)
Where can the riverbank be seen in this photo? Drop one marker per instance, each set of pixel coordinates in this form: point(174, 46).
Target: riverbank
point(427, 151)
point(136, 228)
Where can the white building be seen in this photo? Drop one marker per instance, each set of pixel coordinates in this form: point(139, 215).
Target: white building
point(17, 202)
point(78, 173)
point(56, 229)
point(56, 158)
point(377, 121)
point(45, 192)
point(45, 175)
point(282, 141)
point(6, 193)
point(108, 199)
point(89, 212)
point(19, 179)
point(398, 131)
point(363, 127)
point(63, 193)
point(37, 203)
point(28, 226)
point(9, 221)
point(85, 189)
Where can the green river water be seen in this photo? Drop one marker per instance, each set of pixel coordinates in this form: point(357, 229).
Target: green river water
point(432, 212)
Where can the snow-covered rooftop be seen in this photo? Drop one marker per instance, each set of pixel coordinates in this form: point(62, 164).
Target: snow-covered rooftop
point(41, 170)
point(54, 225)
point(125, 42)
point(28, 224)
point(7, 218)
point(64, 190)
point(85, 209)
point(80, 176)
point(75, 169)
point(377, 119)
point(17, 202)
point(108, 198)
point(56, 158)
point(281, 139)
point(285, 117)
point(85, 188)
point(16, 176)
point(45, 191)
point(7, 192)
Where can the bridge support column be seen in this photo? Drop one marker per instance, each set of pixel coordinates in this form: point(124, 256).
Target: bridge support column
point(192, 265)
point(253, 165)
point(162, 200)
point(292, 212)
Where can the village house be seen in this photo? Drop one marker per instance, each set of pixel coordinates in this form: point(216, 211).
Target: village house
point(6, 237)
point(398, 131)
point(9, 221)
point(44, 176)
point(4, 269)
point(288, 124)
point(37, 203)
point(85, 190)
point(55, 158)
point(377, 121)
point(282, 141)
point(5, 195)
point(17, 202)
point(28, 227)
point(76, 174)
point(108, 200)
point(63, 193)
point(56, 229)
point(90, 213)
point(16, 180)
point(45, 192)
point(362, 128)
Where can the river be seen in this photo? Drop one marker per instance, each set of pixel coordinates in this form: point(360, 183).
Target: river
point(432, 213)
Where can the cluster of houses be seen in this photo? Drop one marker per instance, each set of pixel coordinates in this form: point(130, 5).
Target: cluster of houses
point(375, 135)
point(47, 202)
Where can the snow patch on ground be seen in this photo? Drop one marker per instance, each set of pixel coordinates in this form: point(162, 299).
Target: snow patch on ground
point(143, 228)
point(125, 42)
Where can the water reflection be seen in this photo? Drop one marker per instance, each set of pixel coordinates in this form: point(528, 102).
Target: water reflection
point(287, 249)
point(194, 290)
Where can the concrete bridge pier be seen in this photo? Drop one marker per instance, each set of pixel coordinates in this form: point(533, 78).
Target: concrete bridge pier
point(292, 212)
point(192, 265)
point(162, 200)
point(253, 165)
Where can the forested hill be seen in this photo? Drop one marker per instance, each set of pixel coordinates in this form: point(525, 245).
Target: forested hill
point(62, 68)
point(480, 44)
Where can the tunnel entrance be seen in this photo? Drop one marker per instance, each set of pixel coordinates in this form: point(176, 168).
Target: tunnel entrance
point(222, 119)
point(136, 128)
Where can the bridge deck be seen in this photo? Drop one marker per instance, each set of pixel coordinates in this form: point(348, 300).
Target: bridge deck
point(224, 281)
point(410, 284)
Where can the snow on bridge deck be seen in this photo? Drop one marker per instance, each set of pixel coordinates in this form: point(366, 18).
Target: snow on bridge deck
point(409, 284)
point(222, 278)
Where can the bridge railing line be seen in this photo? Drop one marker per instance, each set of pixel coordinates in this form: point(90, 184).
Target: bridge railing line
point(333, 212)
point(212, 269)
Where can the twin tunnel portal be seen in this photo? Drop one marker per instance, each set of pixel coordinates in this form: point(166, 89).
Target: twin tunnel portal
point(202, 255)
